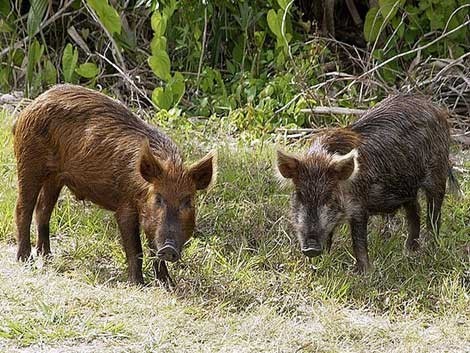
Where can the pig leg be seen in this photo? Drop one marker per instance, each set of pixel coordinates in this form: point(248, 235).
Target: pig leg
point(412, 216)
point(128, 223)
point(329, 241)
point(28, 191)
point(45, 204)
point(359, 239)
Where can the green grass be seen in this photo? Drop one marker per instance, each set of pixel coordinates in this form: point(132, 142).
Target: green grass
point(242, 281)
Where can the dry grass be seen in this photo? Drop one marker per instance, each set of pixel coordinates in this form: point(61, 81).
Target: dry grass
point(45, 311)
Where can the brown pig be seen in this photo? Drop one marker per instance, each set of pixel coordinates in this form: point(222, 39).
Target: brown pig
point(75, 137)
point(374, 166)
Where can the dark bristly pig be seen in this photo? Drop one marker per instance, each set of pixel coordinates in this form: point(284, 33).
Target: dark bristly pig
point(75, 137)
point(374, 166)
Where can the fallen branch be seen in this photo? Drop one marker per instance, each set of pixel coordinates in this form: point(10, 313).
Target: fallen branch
point(297, 130)
point(333, 110)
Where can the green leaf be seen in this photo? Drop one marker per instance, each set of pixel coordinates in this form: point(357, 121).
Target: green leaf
point(35, 16)
point(390, 7)
point(259, 38)
point(274, 24)
point(280, 59)
point(158, 22)
point(5, 77)
point(372, 24)
point(34, 55)
point(88, 70)
point(176, 86)
point(5, 8)
point(161, 98)
point(170, 7)
point(160, 64)
point(5, 27)
point(158, 44)
point(49, 73)
point(69, 62)
point(35, 51)
point(283, 4)
point(107, 15)
point(399, 26)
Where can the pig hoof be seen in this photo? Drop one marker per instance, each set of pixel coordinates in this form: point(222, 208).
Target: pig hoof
point(362, 269)
point(413, 246)
point(23, 256)
point(136, 280)
point(44, 254)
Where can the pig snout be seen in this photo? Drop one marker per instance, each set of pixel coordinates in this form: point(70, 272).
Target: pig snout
point(311, 248)
point(169, 252)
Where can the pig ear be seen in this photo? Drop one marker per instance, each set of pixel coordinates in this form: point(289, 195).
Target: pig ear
point(204, 171)
point(346, 166)
point(150, 168)
point(287, 165)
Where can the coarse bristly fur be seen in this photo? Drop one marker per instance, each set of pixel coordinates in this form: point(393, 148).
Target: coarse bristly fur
point(374, 166)
point(76, 137)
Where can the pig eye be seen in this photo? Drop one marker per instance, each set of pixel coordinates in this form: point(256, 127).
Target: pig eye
point(159, 201)
point(186, 203)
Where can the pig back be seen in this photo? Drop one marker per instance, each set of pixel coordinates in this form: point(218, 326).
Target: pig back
point(93, 142)
point(404, 140)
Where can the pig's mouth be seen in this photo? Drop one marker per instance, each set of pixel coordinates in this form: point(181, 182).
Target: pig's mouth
point(169, 252)
point(311, 248)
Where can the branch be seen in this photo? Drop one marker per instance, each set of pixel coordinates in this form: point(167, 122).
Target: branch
point(333, 110)
point(412, 51)
point(116, 50)
point(128, 79)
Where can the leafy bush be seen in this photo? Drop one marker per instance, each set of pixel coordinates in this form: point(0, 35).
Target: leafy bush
point(246, 59)
point(395, 26)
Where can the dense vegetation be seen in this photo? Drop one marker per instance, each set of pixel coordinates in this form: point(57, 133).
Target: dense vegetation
point(260, 62)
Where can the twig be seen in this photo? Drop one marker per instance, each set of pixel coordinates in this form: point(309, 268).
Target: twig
point(283, 32)
point(78, 39)
point(333, 110)
point(297, 133)
point(412, 51)
point(285, 106)
point(52, 19)
point(128, 79)
point(116, 50)
point(382, 27)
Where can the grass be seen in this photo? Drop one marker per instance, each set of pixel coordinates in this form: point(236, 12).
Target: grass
point(242, 284)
